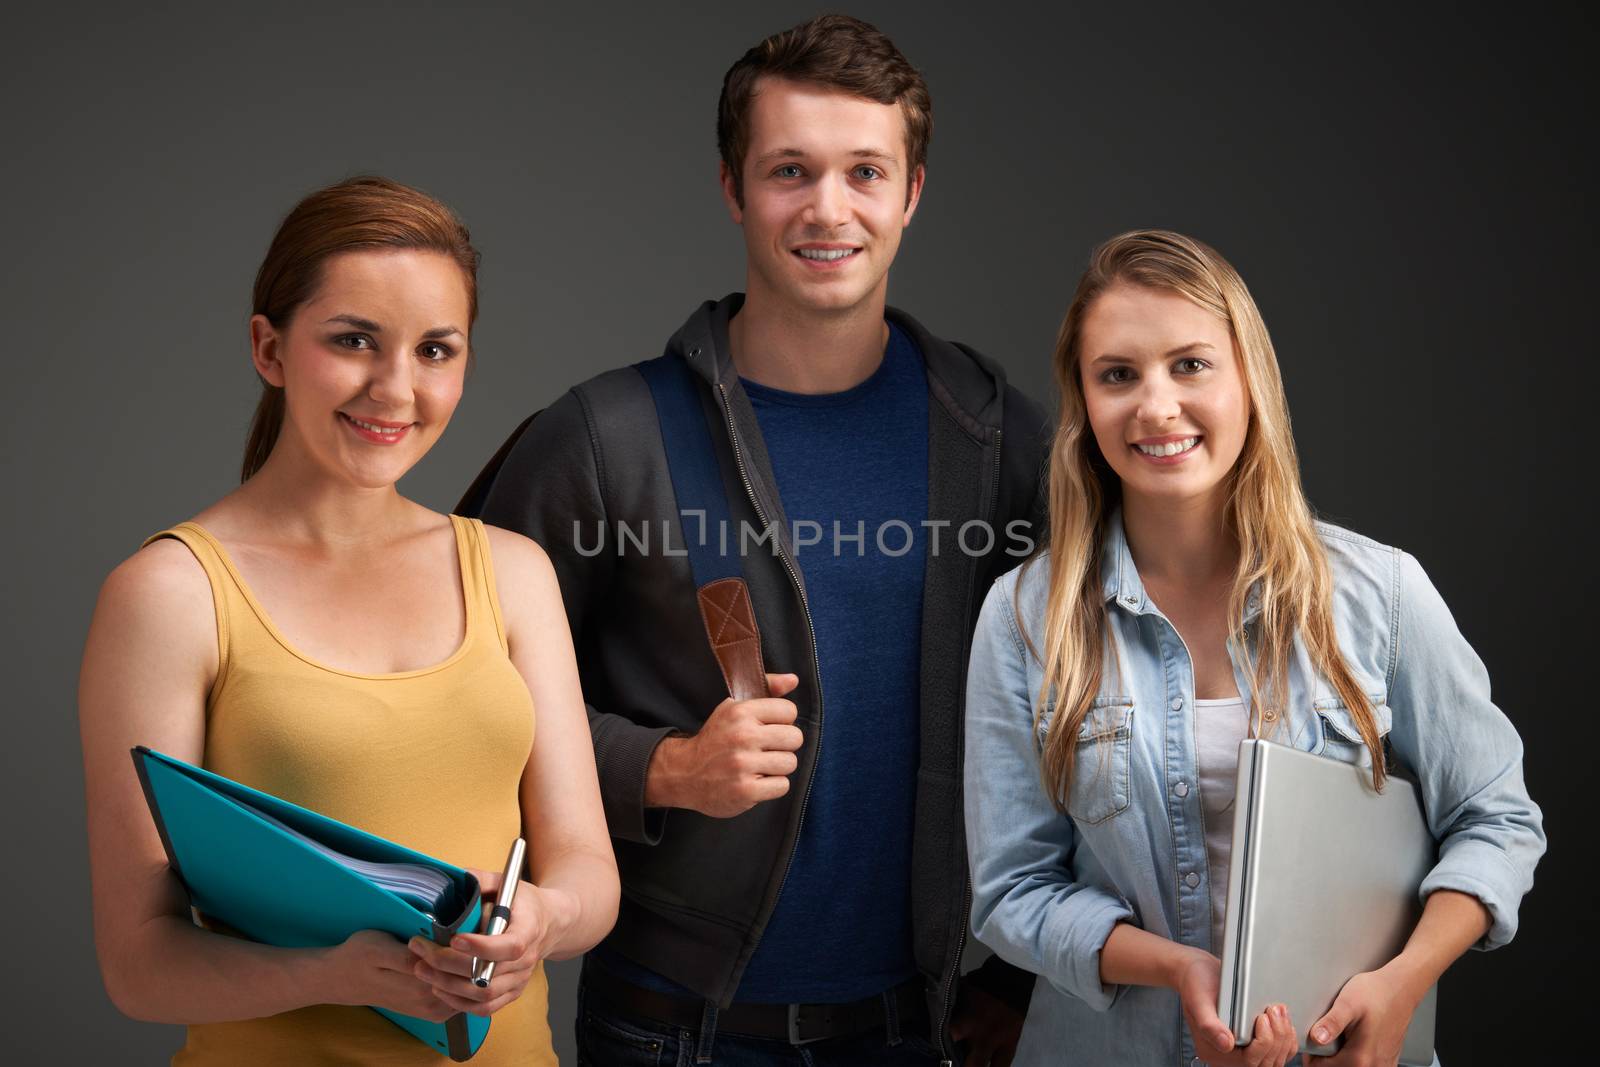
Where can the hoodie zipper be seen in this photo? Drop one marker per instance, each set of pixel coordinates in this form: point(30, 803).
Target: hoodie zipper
point(949, 993)
point(966, 883)
point(805, 608)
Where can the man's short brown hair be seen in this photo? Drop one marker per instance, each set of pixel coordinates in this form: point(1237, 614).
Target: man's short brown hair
point(836, 52)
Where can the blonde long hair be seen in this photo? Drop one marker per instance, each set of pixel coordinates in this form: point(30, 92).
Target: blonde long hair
point(1280, 555)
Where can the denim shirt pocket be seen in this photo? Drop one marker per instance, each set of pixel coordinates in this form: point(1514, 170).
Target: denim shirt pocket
point(1100, 787)
point(1340, 738)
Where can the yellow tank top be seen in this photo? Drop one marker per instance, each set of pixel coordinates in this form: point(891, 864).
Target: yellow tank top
point(429, 758)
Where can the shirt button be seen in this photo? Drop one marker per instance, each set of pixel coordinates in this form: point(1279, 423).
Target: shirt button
point(1182, 789)
point(1191, 879)
point(1270, 716)
point(1177, 703)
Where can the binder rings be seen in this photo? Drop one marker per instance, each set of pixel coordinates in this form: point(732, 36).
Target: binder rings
point(242, 856)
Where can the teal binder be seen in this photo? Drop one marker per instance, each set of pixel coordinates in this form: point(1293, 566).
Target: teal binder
point(267, 884)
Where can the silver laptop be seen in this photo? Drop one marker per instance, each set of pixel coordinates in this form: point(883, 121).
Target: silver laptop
point(1322, 885)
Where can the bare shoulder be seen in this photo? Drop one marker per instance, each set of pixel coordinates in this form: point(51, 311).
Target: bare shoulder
point(161, 580)
point(517, 557)
point(525, 580)
point(155, 617)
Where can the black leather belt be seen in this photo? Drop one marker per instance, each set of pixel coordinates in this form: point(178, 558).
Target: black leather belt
point(798, 1024)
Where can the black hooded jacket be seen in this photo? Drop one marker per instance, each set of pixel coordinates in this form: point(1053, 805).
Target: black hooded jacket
point(698, 891)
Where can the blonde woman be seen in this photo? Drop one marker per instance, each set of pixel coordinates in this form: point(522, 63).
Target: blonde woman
point(1188, 600)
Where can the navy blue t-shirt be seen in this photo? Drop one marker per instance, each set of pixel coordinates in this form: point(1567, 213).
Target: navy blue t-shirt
point(848, 464)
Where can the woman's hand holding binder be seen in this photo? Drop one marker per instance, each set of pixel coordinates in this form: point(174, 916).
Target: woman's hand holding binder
point(539, 918)
point(372, 967)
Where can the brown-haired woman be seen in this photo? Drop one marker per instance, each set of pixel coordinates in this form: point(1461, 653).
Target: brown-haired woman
point(1188, 600)
point(317, 636)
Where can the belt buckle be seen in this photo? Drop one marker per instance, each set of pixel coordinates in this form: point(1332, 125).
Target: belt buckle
point(794, 1027)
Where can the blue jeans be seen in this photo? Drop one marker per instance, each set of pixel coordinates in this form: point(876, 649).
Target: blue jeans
point(607, 1039)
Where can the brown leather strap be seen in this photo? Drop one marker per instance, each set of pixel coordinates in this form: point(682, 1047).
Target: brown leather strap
point(731, 627)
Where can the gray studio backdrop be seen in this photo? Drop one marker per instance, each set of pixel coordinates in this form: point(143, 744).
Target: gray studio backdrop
point(1394, 187)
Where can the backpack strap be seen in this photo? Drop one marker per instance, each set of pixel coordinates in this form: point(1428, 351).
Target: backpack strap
point(698, 485)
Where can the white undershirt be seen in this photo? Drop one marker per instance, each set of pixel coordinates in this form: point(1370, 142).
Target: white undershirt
point(1219, 727)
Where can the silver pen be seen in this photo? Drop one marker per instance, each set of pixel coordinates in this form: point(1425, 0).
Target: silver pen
point(500, 916)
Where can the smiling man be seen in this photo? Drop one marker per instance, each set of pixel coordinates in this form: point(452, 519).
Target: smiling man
point(792, 852)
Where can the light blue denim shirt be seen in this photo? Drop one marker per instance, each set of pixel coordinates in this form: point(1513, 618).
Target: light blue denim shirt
point(1047, 889)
